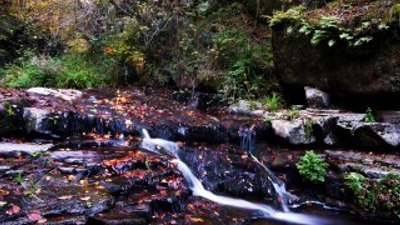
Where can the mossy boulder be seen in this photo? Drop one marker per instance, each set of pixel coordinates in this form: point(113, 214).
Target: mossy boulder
point(358, 74)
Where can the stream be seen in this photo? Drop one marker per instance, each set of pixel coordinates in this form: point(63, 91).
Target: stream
point(279, 216)
point(150, 160)
point(86, 182)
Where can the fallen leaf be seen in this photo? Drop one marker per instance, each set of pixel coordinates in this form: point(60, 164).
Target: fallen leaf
point(41, 221)
point(13, 210)
point(17, 192)
point(34, 216)
point(84, 182)
point(86, 198)
point(196, 219)
point(99, 187)
point(4, 192)
point(71, 177)
point(65, 197)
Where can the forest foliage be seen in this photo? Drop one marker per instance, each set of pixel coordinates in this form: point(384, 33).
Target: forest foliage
point(208, 45)
point(84, 44)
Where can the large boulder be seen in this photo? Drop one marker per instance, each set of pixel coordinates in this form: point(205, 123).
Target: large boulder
point(36, 120)
point(295, 131)
point(359, 76)
point(371, 134)
point(247, 108)
point(317, 98)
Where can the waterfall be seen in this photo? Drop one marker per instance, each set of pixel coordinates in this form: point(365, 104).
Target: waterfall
point(198, 190)
point(160, 146)
point(247, 143)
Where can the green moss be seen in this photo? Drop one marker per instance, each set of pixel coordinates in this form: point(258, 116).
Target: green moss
point(292, 15)
point(331, 27)
point(396, 9)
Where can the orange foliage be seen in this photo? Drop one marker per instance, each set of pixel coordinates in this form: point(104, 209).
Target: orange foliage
point(60, 18)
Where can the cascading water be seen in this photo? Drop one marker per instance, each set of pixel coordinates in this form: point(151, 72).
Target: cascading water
point(247, 143)
point(160, 146)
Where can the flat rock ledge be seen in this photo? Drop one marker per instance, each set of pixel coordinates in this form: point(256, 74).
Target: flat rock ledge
point(307, 127)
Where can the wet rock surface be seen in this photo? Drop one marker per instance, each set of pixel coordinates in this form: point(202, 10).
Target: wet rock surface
point(82, 178)
point(117, 185)
point(127, 112)
point(15, 149)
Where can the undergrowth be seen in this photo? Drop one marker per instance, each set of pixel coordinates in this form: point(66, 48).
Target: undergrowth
point(377, 196)
point(65, 71)
point(312, 167)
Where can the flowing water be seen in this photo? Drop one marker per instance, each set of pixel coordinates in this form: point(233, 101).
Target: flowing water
point(247, 143)
point(165, 147)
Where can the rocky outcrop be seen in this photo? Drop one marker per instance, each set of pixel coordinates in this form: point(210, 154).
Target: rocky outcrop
point(371, 134)
point(247, 108)
point(310, 127)
point(334, 128)
point(373, 166)
point(13, 149)
point(361, 76)
point(64, 94)
point(295, 131)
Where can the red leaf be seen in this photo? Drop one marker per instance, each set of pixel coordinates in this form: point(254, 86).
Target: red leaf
point(34, 216)
point(13, 210)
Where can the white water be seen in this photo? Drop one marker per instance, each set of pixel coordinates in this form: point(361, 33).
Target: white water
point(279, 185)
point(198, 190)
point(160, 146)
point(248, 144)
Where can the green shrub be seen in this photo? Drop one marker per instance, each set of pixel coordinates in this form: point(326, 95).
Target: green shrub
point(312, 167)
point(328, 29)
point(66, 71)
point(25, 76)
point(308, 128)
point(369, 116)
point(293, 113)
point(354, 181)
point(273, 101)
point(243, 62)
point(78, 72)
point(376, 196)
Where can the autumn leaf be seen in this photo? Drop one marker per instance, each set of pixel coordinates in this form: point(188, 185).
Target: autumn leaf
point(4, 192)
point(196, 219)
point(13, 210)
point(41, 221)
point(71, 177)
point(65, 197)
point(34, 216)
point(85, 198)
point(84, 182)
